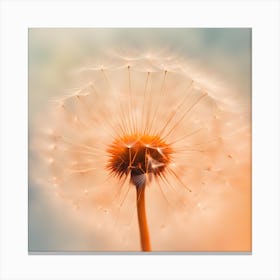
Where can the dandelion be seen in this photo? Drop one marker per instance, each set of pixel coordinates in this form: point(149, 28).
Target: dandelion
point(150, 127)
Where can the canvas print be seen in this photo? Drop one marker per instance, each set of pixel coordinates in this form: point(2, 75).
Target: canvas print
point(139, 140)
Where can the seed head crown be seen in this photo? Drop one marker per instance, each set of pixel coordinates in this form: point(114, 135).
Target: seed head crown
point(139, 155)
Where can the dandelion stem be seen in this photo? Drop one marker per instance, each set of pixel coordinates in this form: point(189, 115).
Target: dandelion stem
point(142, 219)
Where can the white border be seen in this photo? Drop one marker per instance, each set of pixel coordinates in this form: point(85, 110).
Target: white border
point(262, 16)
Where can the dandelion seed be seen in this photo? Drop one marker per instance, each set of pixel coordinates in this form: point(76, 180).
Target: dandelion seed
point(134, 128)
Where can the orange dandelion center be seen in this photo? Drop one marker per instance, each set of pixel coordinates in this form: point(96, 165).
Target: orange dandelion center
point(140, 156)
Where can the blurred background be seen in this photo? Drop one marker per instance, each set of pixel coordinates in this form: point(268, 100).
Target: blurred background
point(54, 53)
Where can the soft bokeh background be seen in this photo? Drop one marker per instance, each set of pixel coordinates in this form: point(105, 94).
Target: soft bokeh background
point(54, 53)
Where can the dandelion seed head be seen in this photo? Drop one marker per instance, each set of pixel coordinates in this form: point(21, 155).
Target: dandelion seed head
point(144, 119)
